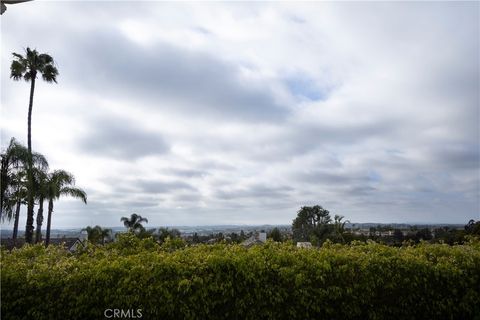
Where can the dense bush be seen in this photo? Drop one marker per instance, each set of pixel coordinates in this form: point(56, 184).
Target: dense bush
point(274, 281)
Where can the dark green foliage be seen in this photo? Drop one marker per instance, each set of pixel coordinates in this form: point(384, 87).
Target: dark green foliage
point(134, 223)
point(473, 227)
point(164, 233)
point(275, 235)
point(98, 235)
point(314, 224)
point(274, 281)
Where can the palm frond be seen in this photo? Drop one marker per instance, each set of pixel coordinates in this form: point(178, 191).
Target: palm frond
point(75, 193)
point(17, 70)
point(45, 58)
point(18, 56)
point(39, 160)
point(62, 178)
point(49, 73)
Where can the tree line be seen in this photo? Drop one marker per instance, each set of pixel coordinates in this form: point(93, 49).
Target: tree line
point(315, 224)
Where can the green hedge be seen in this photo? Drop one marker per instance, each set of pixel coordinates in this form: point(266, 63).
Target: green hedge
point(274, 281)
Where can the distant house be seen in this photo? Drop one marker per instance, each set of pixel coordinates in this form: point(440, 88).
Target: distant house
point(70, 244)
point(258, 238)
point(212, 241)
point(9, 243)
point(304, 244)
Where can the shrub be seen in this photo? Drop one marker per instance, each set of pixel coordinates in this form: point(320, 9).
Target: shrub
point(274, 281)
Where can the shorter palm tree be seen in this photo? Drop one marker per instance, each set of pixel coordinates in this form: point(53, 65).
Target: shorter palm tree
point(40, 178)
point(134, 223)
point(339, 227)
point(60, 183)
point(98, 234)
point(14, 186)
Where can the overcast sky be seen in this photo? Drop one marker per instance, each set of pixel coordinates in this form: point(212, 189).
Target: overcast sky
point(241, 113)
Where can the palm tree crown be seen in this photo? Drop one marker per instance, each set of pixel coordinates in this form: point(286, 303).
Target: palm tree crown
point(26, 67)
point(134, 223)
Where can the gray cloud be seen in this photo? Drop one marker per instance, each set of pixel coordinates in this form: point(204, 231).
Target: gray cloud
point(255, 191)
point(156, 186)
point(164, 75)
point(122, 139)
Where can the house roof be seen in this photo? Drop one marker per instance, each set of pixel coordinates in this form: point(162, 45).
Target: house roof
point(67, 243)
point(9, 244)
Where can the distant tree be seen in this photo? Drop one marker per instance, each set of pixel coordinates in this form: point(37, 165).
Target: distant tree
point(312, 221)
point(423, 234)
point(164, 233)
point(473, 227)
point(27, 67)
point(242, 235)
point(275, 235)
point(134, 223)
point(93, 234)
point(339, 228)
point(143, 233)
point(398, 235)
point(98, 234)
point(105, 234)
point(302, 226)
point(195, 238)
point(234, 237)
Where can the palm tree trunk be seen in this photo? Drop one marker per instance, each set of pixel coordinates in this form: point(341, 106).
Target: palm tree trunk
point(3, 183)
point(38, 236)
point(15, 223)
point(30, 204)
point(49, 221)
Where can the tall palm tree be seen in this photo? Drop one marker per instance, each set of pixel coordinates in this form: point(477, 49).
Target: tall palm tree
point(28, 67)
point(134, 223)
point(60, 183)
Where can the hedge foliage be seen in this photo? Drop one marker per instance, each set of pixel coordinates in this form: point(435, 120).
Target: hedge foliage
point(274, 281)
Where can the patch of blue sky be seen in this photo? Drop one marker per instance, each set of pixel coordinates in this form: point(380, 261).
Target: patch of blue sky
point(304, 87)
point(374, 176)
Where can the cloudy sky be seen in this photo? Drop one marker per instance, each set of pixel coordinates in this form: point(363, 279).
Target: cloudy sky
point(241, 113)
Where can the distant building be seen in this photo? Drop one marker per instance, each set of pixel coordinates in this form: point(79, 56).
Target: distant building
point(212, 241)
point(71, 244)
point(258, 238)
point(304, 244)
